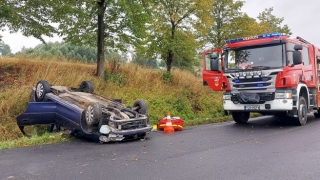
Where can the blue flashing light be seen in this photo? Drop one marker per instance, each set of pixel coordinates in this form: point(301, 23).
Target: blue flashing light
point(237, 81)
point(268, 35)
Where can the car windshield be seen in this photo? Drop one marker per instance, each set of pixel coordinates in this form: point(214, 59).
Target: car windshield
point(261, 57)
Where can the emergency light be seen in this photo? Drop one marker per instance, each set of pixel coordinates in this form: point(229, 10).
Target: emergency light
point(268, 35)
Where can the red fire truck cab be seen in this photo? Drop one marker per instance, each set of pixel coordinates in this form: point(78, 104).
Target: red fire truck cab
point(269, 73)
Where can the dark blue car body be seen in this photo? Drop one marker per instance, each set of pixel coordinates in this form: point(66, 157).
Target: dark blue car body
point(85, 114)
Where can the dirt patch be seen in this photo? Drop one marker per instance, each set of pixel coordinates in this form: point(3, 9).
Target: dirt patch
point(9, 76)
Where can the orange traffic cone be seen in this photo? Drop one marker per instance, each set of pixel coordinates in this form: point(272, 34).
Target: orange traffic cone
point(168, 129)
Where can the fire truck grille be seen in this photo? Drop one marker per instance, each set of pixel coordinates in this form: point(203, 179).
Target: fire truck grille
point(263, 98)
point(259, 85)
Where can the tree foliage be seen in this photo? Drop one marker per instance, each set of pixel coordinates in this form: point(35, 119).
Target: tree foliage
point(28, 17)
point(172, 34)
point(230, 22)
point(270, 23)
point(4, 48)
point(224, 13)
point(63, 50)
point(105, 23)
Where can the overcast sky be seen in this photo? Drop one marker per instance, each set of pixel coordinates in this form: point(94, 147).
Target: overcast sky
point(300, 16)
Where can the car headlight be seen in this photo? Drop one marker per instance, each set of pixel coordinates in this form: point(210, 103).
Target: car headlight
point(227, 97)
point(104, 129)
point(285, 95)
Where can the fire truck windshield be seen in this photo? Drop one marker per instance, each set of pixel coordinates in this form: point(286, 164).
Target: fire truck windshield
point(258, 57)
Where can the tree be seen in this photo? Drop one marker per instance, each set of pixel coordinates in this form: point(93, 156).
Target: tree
point(230, 22)
point(4, 49)
point(103, 23)
point(270, 23)
point(225, 13)
point(28, 17)
point(172, 34)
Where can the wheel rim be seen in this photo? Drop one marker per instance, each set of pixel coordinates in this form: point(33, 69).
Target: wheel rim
point(39, 90)
point(303, 112)
point(89, 114)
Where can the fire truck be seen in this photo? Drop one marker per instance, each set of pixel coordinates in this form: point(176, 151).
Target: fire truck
point(271, 74)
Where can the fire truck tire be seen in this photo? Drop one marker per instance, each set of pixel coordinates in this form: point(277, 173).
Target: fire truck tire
point(302, 112)
point(241, 117)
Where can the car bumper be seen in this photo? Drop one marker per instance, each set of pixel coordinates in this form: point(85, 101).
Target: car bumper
point(275, 105)
point(119, 135)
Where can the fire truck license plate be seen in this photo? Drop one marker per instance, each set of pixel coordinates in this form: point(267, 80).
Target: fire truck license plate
point(257, 107)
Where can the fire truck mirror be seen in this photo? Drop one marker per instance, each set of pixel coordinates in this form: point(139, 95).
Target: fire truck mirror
point(297, 59)
point(298, 47)
point(214, 64)
point(213, 56)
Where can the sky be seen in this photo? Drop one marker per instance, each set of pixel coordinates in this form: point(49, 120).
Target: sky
point(300, 16)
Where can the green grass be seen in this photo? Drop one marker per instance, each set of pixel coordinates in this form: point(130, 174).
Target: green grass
point(34, 140)
point(181, 93)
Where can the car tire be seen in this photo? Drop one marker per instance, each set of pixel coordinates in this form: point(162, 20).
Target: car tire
point(86, 86)
point(93, 114)
point(241, 117)
point(42, 88)
point(302, 112)
point(141, 107)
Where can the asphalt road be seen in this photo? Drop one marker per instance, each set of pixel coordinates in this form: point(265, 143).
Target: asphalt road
point(262, 149)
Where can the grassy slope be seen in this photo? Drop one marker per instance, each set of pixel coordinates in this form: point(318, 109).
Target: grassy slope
point(185, 96)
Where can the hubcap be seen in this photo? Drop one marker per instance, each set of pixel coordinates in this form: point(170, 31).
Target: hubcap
point(89, 114)
point(303, 112)
point(39, 90)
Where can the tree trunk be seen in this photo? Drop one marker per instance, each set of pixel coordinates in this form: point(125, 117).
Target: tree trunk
point(170, 52)
point(100, 41)
point(169, 60)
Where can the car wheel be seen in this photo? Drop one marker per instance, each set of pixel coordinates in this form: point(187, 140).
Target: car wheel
point(42, 88)
point(302, 112)
point(93, 114)
point(141, 107)
point(86, 86)
point(241, 117)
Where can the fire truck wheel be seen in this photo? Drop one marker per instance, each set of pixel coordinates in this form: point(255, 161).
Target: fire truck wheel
point(241, 117)
point(302, 112)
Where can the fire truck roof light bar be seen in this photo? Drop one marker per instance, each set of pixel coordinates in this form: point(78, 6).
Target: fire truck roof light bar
point(302, 40)
point(268, 35)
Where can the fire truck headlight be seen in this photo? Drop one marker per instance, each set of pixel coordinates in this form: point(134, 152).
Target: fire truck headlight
point(244, 74)
point(259, 73)
point(227, 97)
point(283, 95)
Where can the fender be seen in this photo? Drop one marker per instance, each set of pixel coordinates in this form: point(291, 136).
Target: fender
point(300, 85)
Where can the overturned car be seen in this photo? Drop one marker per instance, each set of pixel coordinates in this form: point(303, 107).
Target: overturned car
point(85, 113)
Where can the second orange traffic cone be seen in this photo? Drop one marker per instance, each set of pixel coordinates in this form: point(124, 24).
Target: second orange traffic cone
point(168, 129)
